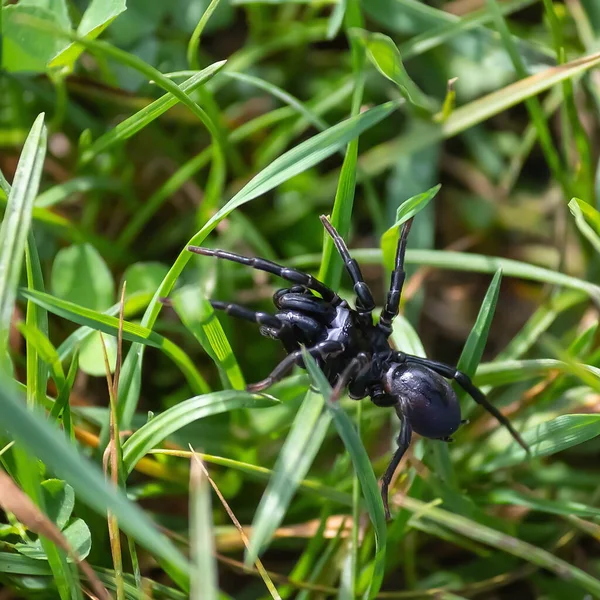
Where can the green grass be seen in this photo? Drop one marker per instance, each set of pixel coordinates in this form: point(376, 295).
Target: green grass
point(130, 130)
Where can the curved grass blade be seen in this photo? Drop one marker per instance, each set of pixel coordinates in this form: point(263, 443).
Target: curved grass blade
point(163, 425)
point(465, 261)
point(506, 543)
point(364, 472)
point(142, 118)
point(564, 508)
point(131, 332)
point(385, 56)
point(293, 462)
point(587, 220)
point(51, 446)
point(408, 209)
point(16, 223)
point(200, 319)
point(547, 438)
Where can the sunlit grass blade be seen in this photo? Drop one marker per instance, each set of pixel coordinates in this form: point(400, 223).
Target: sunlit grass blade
point(16, 222)
point(555, 507)
point(465, 261)
point(131, 332)
point(475, 344)
point(408, 209)
point(501, 541)
point(203, 583)
point(385, 56)
point(200, 319)
point(171, 420)
point(587, 219)
point(50, 445)
point(363, 469)
point(546, 439)
point(293, 462)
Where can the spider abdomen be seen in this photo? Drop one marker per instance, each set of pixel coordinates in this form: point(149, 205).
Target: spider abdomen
point(425, 399)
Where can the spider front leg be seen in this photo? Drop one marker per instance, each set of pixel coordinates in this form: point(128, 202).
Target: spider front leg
point(403, 443)
point(466, 384)
point(323, 350)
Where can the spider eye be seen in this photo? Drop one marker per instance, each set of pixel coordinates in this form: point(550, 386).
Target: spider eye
point(425, 399)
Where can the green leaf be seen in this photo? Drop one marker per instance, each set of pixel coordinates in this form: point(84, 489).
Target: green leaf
point(59, 501)
point(408, 209)
point(16, 223)
point(384, 54)
point(587, 219)
point(23, 47)
point(91, 354)
point(78, 536)
point(97, 17)
point(161, 426)
point(58, 8)
point(545, 439)
point(198, 316)
point(39, 437)
point(80, 275)
point(363, 470)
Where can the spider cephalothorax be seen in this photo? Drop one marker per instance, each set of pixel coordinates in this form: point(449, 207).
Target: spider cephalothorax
point(354, 352)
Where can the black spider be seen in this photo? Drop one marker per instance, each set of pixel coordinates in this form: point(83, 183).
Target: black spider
point(355, 353)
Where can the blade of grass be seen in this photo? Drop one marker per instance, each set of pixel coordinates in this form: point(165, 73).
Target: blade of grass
point(363, 469)
point(37, 435)
point(503, 542)
point(16, 223)
point(464, 261)
point(130, 126)
point(198, 316)
point(171, 420)
point(131, 332)
point(293, 462)
point(203, 585)
point(584, 215)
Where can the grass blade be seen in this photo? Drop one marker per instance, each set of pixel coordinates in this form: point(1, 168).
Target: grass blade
point(17, 219)
point(37, 435)
point(293, 462)
point(364, 472)
point(163, 425)
point(203, 584)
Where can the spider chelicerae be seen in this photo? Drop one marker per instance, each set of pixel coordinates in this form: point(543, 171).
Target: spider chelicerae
point(355, 353)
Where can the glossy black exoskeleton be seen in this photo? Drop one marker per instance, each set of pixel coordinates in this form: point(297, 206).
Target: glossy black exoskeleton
point(355, 353)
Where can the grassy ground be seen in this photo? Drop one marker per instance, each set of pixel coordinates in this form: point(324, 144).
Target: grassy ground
point(235, 125)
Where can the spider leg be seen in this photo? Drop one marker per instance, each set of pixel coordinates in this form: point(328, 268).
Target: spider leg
point(364, 298)
point(241, 312)
point(466, 384)
point(262, 264)
point(355, 366)
point(311, 305)
point(403, 444)
point(392, 304)
point(322, 350)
